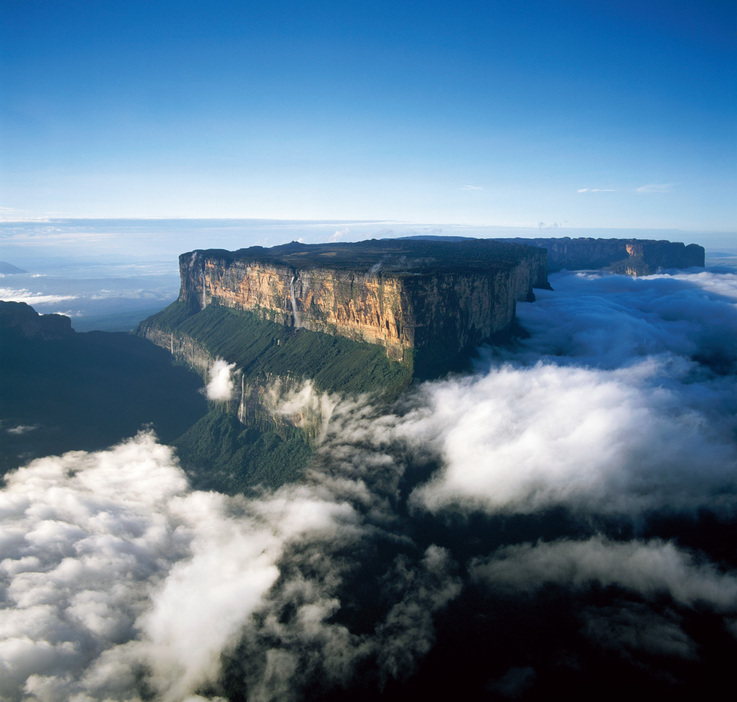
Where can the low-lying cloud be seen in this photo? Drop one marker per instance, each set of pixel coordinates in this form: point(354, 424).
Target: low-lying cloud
point(525, 439)
point(649, 568)
point(221, 386)
point(32, 298)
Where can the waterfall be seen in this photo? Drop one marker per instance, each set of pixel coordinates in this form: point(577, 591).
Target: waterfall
point(297, 322)
point(242, 404)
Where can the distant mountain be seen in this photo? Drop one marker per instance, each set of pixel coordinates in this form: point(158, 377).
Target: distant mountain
point(10, 269)
point(624, 256)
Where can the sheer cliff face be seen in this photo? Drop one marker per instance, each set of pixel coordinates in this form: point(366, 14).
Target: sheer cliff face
point(400, 310)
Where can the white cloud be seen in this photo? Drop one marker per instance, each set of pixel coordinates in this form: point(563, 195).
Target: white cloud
point(655, 188)
point(221, 386)
point(612, 413)
point(649, 568)
point(32, 298)
point(22, 429)
point(596, 190)
point(521, 440)
point(112, 572)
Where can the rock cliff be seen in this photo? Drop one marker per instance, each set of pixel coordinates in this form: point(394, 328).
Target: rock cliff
point(407, 296)
point(626, 256)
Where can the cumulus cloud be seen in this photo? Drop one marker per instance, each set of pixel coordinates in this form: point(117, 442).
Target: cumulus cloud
point(339, 234)
point(612, 321)
point(117, 578)
point(595, 190)
point(651, 574)
point(518, 440)
point(119, 582)
point(220, 387)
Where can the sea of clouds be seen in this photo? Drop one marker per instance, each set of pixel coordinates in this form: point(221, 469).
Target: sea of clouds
point(550, 469)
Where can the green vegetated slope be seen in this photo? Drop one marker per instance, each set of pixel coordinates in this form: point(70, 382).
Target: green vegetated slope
point(220, 452)
point(261, 348)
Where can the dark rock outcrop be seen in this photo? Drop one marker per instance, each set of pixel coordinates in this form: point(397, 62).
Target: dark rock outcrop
point(23, 319)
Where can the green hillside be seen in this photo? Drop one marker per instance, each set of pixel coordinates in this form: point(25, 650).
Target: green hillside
point(261, 348)
point(221, 453)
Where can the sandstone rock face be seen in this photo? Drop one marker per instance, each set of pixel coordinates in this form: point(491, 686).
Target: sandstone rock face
point(413, 306)
point(626, 256)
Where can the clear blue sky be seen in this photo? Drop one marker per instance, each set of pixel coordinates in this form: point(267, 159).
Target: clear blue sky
point(507, 112)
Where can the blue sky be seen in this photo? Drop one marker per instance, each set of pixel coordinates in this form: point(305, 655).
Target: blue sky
point(584, 114)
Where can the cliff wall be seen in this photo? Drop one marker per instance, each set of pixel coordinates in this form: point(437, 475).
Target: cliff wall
point(405, 304)
point(627, 256)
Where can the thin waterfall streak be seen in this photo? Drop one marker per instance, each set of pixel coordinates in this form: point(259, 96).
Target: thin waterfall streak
point(297, 322)
point(241, 405)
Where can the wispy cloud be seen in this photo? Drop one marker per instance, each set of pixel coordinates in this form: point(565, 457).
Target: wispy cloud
point(12, 214)
point(21, 429)
point(595, 190)
point(52, 237)
point(655, 188)
point(32, 298)
point(471, 187)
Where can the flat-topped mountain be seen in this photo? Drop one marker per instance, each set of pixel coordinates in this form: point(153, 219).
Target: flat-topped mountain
point(410, 297)
point(295, 323)
point(626, 256)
